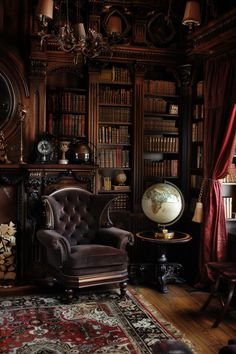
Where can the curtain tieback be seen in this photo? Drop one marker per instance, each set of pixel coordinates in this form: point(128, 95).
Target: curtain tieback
point(198, 212)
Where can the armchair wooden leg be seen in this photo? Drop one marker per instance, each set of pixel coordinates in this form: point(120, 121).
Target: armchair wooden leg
point(69, 295)
point(123, 288)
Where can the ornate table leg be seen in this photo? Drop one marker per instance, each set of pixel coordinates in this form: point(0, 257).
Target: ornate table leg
point(167, 272)
point(161, 273)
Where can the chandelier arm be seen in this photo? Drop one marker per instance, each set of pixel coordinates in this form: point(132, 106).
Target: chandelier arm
point(90, 45)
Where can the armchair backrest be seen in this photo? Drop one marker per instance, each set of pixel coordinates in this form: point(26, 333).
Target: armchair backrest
point(75, 213)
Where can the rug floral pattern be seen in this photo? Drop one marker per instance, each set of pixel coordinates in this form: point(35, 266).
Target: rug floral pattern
point(101, 323)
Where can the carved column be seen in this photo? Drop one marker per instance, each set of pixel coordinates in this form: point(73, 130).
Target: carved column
point(185, 74)
point(93, 106)
point(138, 127)
point(37, 109)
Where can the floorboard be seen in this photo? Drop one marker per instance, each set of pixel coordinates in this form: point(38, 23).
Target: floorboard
point(181, 306)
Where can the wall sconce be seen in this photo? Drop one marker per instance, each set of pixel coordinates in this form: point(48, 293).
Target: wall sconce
point(45, 12)
point(114, 25)
point(192, 16)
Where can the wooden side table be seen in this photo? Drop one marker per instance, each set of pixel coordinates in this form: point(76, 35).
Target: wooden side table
point(165, 271)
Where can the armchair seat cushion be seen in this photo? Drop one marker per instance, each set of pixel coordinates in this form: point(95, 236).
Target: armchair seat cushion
point(95, 256)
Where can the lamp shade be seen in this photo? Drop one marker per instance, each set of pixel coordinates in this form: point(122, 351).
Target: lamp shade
point(45, 8)
point(114, 25)
point(192, 14)
point(79, 29)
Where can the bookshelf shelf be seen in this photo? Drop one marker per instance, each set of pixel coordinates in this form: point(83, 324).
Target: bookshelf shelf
point(228, 187)
point(118, 83)
point(115, 124)
point(113, 191)
point(161, 151)
point(66, 112)
point(115, 168)
point(197, 123)
point(105, 104)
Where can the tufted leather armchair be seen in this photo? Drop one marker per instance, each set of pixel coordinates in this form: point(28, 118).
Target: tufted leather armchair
point(82, 247)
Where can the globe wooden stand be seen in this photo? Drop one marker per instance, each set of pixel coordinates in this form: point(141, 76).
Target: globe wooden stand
point(164, 271)
point(163, 203)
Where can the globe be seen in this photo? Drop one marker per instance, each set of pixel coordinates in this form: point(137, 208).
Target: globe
point(121, 178)
point(164, 204)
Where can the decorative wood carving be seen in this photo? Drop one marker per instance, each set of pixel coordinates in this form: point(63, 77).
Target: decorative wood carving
point(125, 26)
point(185, 72)
point(161, 29)
point(38, 68)
point(140, 32)
point(214, 38)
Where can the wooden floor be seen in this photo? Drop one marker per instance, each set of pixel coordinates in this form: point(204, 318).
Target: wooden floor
point(181, 306)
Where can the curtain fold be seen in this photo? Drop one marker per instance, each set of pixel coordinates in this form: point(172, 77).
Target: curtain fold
point(218, 145)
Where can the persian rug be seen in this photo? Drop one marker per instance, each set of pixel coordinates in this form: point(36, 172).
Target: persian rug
point(93, 323)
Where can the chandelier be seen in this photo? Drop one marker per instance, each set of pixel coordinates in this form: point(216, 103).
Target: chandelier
point(71, 38)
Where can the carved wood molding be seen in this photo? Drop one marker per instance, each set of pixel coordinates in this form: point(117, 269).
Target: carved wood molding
point(185, 73)
point(215, 37)
point(150, 55)
point(36, 180)
point(10, 180)
point(38, 68)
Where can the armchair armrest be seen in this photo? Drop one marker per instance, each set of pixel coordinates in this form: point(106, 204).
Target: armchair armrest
point(114, 237)
point(57, 246)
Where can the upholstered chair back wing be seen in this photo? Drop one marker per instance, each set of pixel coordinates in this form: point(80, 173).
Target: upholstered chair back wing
point(76, 214)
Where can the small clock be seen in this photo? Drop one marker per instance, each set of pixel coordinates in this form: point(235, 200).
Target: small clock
point(44, 149)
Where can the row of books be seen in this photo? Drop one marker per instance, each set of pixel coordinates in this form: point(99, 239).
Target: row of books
point(163, 168)
point(160, 87)
point(115, 96)
point(195, 181)
point(231, 175)
point(200, 89)
point(161, 144)
point(113, 134)
point(228, 207)
point(197, 132)
point(66, 124)
point(162, 125)
point(67, 101)
point(199, 157)
point(152, 104)
point(115, 74)
point(115, 114)
point(198, 111)
point(105, 183)
point(113, 158)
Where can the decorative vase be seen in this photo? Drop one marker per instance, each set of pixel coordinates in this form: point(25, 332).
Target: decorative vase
point(64, 147)
point(81, 153)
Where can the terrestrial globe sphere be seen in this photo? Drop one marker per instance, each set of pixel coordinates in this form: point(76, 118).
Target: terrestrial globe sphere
point(121, 178)
point(163, 203)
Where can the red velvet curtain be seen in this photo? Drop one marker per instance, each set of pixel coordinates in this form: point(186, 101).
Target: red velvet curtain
point(219, 135)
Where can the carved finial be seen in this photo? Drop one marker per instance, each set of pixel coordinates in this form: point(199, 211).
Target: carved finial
point(186, 74)
point(3, 149)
